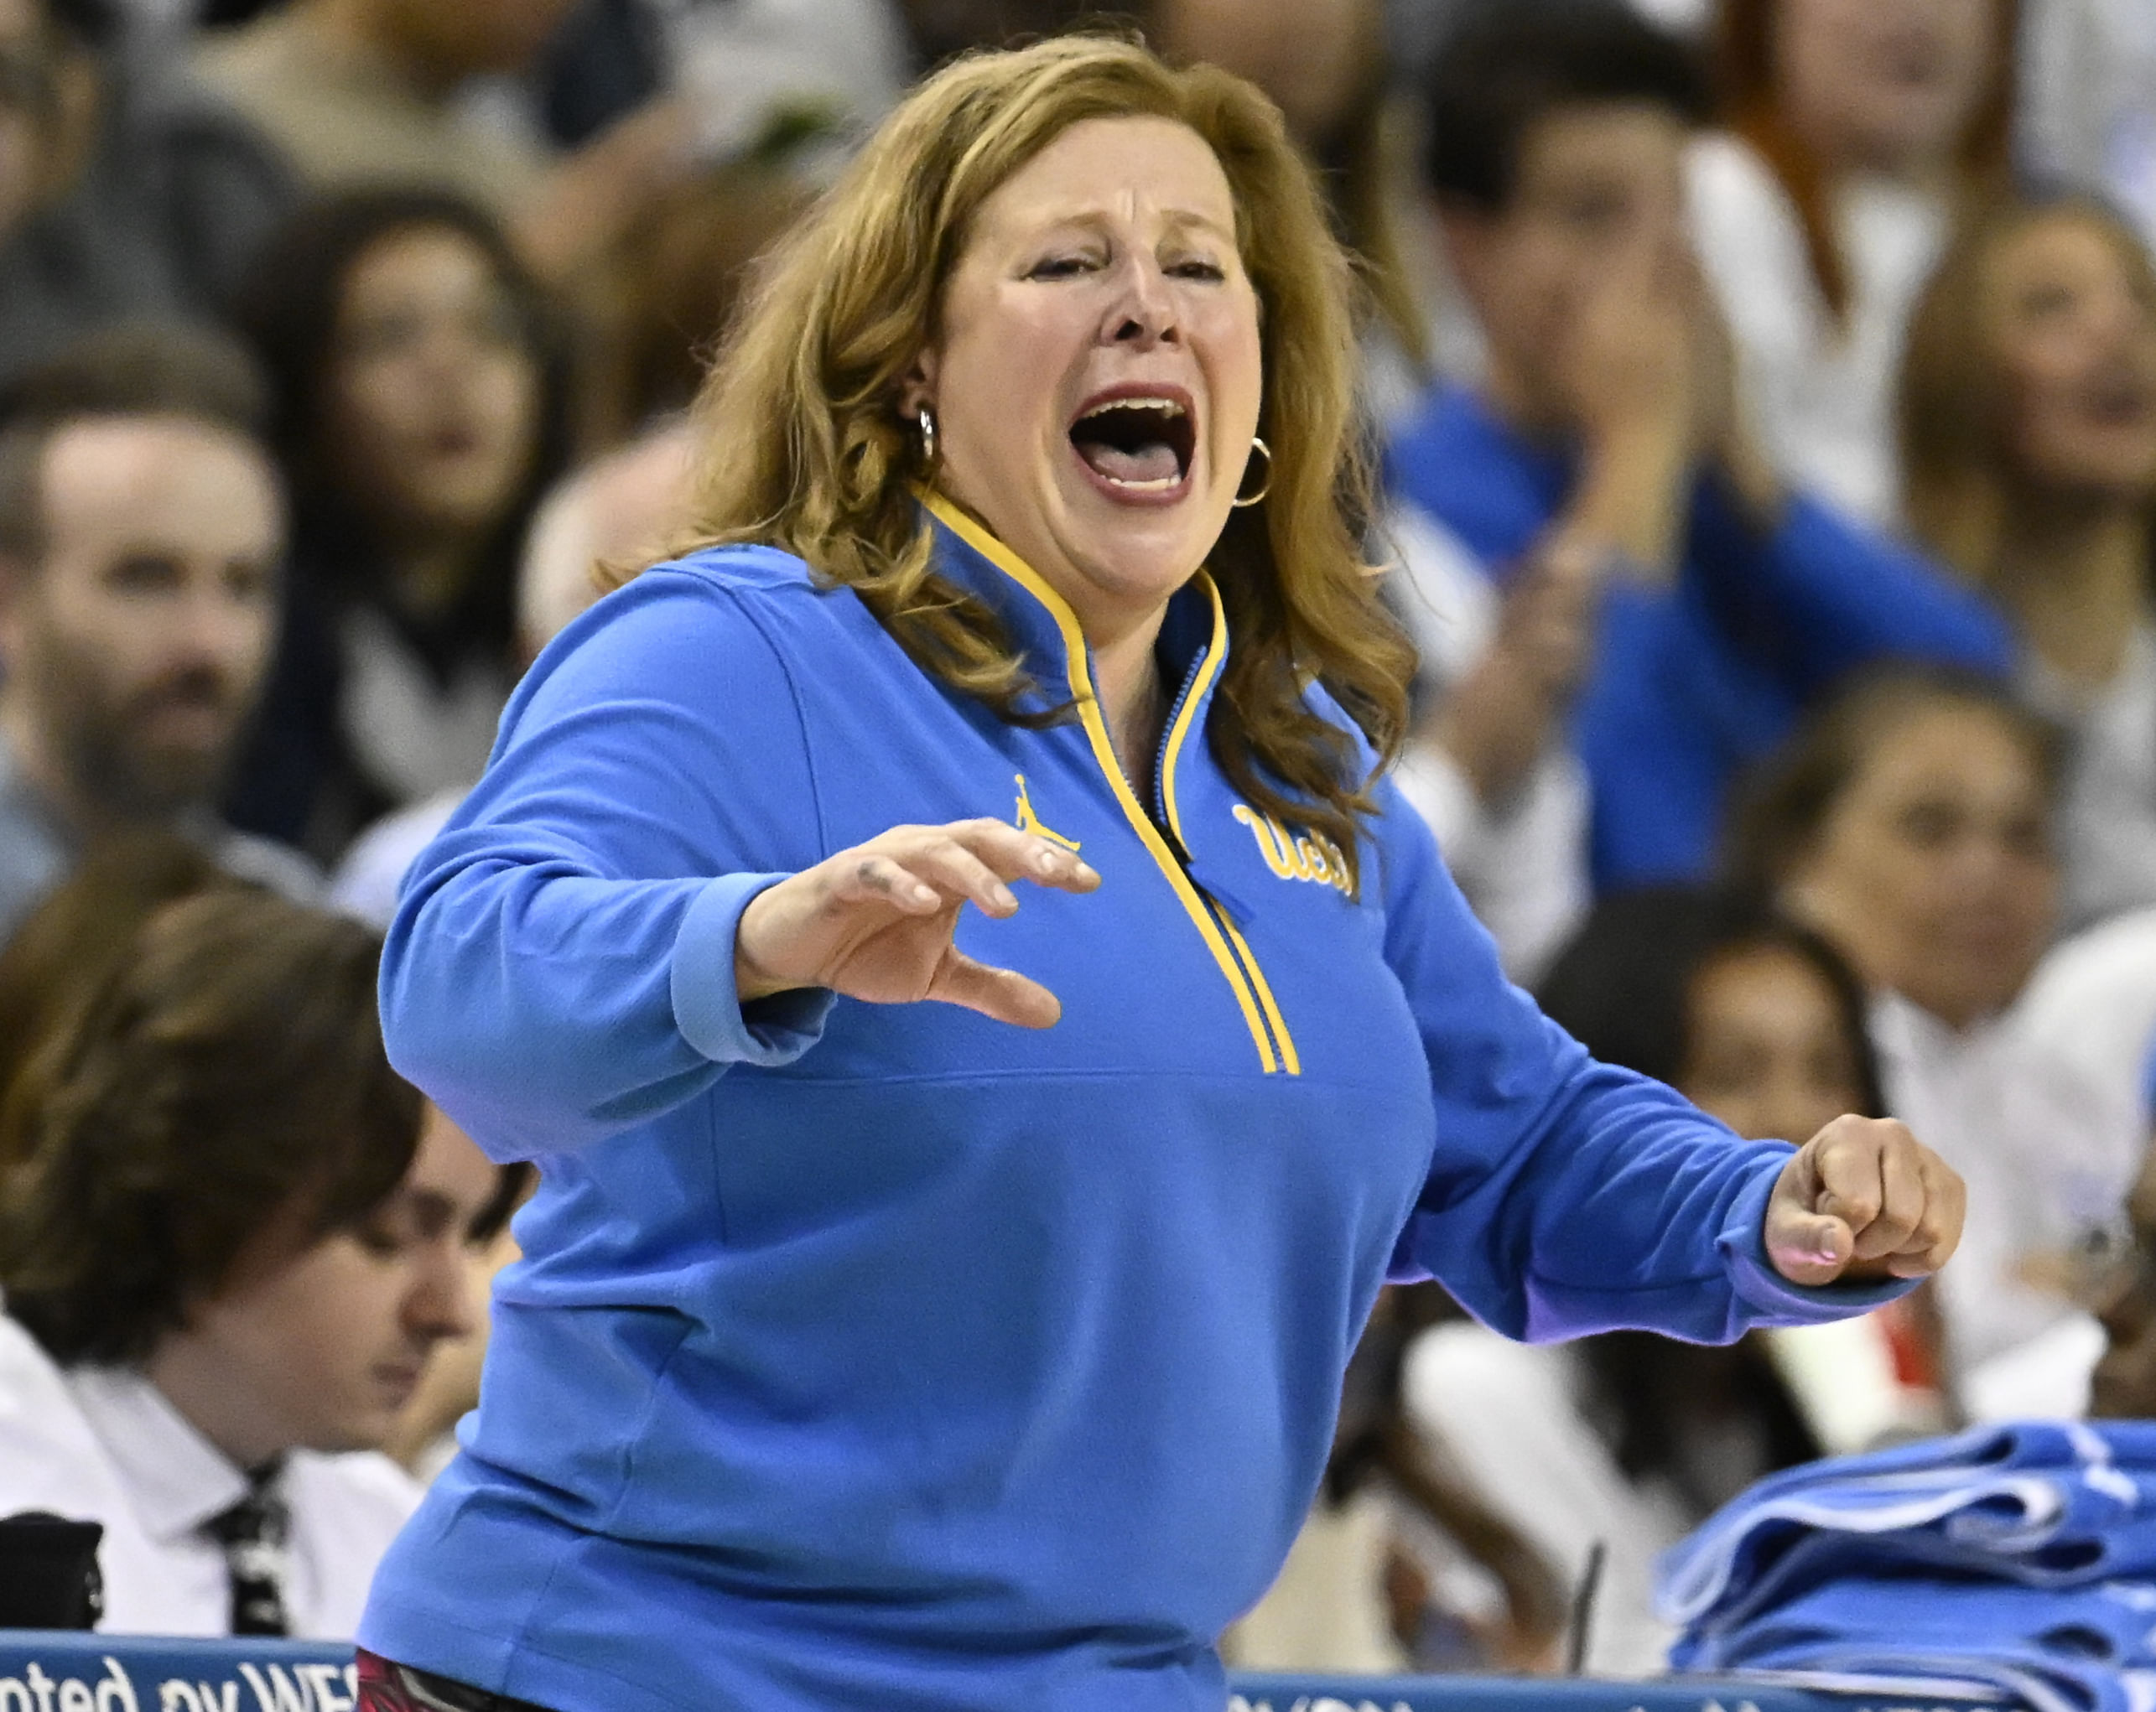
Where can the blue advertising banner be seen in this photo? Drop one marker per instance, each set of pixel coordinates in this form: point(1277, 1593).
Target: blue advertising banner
point(92, 1672)
point(79, 1672)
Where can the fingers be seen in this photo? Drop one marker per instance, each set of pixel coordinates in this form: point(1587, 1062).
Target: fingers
point(1013, 854)
point(921, 869)
point(1868, 1182)
point(1864, 1195)
point(1938, 1233)
point(1003, 994)
point(864, 877)
point(1807, 1248)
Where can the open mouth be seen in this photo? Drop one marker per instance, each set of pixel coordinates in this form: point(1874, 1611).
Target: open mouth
point(1137, 440)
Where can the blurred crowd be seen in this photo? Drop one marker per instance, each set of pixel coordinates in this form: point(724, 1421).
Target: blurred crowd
point(1762, 394)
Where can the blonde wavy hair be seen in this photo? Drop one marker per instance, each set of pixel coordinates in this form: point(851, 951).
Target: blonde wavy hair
point(802, 445)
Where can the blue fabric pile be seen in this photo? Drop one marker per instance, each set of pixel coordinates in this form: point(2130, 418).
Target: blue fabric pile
point(2019, 1559)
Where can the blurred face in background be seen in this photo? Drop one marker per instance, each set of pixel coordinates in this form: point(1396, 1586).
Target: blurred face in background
point(134, 651)
point(1933, 871)
point(1767, 1046)
point(323, 1349)
point(432, 407)
point(1595, 189)
point(1886, 86)
point(2072, 320)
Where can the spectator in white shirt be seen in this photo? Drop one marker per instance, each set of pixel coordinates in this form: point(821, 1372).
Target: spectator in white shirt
point(228, 1247)
point(1911, 822)
point(2093, 1000)
point(2028, 443)
point(1854, 131)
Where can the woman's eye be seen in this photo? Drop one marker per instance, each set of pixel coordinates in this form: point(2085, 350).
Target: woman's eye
point(1211, 272)
point(1060, 267)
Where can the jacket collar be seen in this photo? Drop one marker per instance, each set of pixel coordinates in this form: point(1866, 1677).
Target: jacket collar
point(1194, 639)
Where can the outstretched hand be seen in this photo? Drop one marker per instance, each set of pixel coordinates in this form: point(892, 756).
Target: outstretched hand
point(875, 923)
point(1863, 1200)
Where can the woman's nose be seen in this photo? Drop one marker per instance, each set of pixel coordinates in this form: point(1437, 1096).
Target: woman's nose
point(1144, 314)
point(441, 1303)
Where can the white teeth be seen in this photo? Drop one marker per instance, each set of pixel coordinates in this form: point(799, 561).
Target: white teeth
point(1162, 485)
point(1166, 406)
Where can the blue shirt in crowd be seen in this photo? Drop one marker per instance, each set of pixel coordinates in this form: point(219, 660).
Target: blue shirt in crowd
point(889, 1359)
point(1693, 683)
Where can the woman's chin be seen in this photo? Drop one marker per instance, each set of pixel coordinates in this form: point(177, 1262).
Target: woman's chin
point(1159, 545)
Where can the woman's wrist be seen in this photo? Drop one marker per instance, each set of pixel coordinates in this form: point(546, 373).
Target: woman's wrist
point(752, 979)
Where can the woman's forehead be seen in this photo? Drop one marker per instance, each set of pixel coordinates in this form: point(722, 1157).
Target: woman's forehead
point(1140, 167)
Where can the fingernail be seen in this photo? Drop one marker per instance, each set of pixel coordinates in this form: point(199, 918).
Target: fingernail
point(1004, 898)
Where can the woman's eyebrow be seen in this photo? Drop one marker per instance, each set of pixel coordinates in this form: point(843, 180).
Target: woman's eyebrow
point(1098, 220)
point(1183, 220)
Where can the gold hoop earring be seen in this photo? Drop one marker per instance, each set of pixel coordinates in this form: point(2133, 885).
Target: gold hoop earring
point(927, 435)
point(1258, 445)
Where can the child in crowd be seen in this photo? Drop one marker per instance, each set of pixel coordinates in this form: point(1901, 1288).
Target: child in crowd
point(2028, 441)
point(1602, 476)
point(1911, 823)
point(1629, 1438)
point(1857, 132)
point(227, 1250)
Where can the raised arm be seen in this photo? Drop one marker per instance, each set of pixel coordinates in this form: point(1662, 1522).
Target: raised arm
point(1565, 1196)
point(637, 896)
point(561, 965)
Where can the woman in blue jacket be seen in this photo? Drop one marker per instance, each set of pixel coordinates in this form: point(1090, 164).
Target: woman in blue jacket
point(872, 1353)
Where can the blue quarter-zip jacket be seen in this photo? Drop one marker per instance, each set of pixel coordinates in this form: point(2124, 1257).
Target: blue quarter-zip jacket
point(1691, 684)
point(889, 1359)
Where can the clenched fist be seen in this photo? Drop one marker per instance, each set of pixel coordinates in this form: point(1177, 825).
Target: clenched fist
point(1863, 1200)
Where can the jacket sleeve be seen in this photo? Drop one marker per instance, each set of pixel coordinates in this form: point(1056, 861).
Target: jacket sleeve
point(561, 965)
point(1820, 594)
point(1565, 1196)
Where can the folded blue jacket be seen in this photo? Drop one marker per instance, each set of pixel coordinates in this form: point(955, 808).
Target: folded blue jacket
point(2055, 1504)
point(2021, 1557)
point(2083, 1650)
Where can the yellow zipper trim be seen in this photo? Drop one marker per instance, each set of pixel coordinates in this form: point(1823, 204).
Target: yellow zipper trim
point(1104, 751)
point(1185, 718)
point(1186, 715)
point(1290, 1061)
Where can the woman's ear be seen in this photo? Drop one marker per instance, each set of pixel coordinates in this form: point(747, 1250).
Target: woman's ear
point(917, 389)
